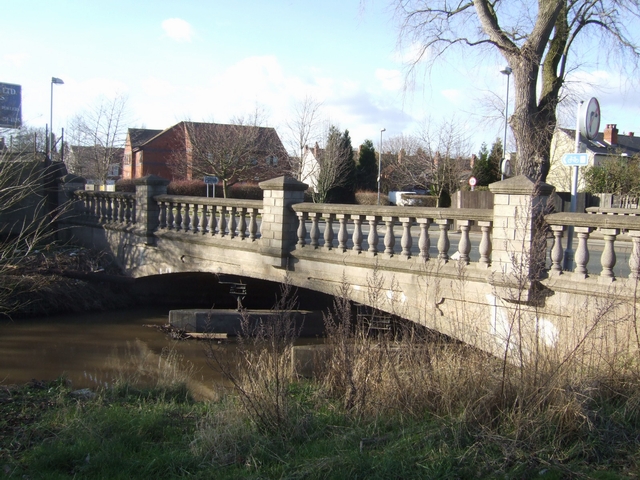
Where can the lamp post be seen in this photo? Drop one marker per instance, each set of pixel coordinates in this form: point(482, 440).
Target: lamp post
point(507, 71)
point(380, 163)
point(56, 81)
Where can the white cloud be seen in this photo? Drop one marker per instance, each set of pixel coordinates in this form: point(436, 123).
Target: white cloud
point(157, 87)
point(15, 59)
point(454, 96)
point(390, 79)
point(177, 29)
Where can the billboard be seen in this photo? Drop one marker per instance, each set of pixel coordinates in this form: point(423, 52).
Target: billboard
point(10, 105)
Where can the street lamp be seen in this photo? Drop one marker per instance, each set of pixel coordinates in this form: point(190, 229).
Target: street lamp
point(56, 81)
point(380, 163)
point(507, 71)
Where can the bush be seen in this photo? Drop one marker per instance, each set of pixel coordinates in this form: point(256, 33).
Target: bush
point(247, 191)
point(192, 188)
point(364, 197)
point(126, 185)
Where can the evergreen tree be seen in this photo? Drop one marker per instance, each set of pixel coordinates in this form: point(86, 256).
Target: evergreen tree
point(487, 167)
point(336, 178)
point(367, 168)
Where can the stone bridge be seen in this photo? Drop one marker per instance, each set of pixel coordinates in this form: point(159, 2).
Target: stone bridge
point(492, 278)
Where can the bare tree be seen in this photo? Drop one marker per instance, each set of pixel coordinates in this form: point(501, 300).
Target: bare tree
point(531, 36)
point(303, 127)
point(237, 152)
point(100, 134)
point(439, 157)
point(27, 217)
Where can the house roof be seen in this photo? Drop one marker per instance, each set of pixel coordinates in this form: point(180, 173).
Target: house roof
point(629, 144)
point(139, 136)
point(83, 152)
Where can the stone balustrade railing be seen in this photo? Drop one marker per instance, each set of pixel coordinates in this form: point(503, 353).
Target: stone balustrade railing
point(369, 224)
point(112, 208)
point(610, 226)
point(217, 217)
point(627, 212)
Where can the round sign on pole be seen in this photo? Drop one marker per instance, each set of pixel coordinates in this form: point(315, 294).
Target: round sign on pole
point(472, 181)
point(590, 119)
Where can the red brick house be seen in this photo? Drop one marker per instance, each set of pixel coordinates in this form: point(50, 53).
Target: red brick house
point(190, 150)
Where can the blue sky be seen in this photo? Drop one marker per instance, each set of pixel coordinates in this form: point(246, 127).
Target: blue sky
point(215, 60)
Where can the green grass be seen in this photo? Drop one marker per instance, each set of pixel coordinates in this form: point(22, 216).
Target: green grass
point(163, 433)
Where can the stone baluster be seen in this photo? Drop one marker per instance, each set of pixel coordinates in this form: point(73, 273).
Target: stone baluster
point(608, 257)
point(302, 229)
point(204, 221)
point(162, 215)
point(424, 242)
point(242, 223)
point(582, 252)
point(485, 243)
point(253, 224)
point(389, 237)
point(232, 222)
point(186, 218)
point(178, 217)
point(372, 239)
point(328, 231)
point(211, 210)
point(315, 230)
point(170, 217)
point(357, 233)
point(222, 222)
point(195, 220)
point(123, 211)
point(443, 241)
point(115, 213)
point(129, 213)
point(406, 242)
point(101, 209)
point(634, 258)
point(343, 236)
point(557, 251)
point(464, 246)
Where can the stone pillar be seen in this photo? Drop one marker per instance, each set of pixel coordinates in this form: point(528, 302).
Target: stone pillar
point(279, 221)
point(69, 183)
point(519, 248)
point(146, 208)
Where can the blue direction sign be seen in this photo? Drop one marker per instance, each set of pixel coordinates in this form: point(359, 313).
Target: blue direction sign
point(575, 159)
point(211, 180)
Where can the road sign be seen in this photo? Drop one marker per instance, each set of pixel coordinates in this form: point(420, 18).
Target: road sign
point(575, 159)
point(10, 105)
point(210, 180)
point(472, 181)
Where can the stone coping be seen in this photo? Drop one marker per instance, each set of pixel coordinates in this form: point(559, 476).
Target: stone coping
point(394, 211)
point(595, 221)
point(223, 202)
point(615, 211)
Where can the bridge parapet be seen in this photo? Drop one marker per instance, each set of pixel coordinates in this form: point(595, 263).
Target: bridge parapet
point(362, 227)
point(106, 208)
point(215, 217)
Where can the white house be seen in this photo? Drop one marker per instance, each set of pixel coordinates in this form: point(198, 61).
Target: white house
point(607, 145)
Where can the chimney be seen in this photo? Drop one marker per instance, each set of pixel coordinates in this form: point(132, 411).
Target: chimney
point(315, 150)
point(611, 134)
point(631, 134)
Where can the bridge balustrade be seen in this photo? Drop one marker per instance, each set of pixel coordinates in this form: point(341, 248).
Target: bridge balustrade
point(361, 228)
point(608, 228)
point(216, 217)
point(106, 208)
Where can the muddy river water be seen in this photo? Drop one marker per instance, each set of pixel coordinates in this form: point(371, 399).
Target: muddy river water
point(93, 349)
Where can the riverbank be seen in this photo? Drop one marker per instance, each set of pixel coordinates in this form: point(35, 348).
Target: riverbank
point(57, 279)
point(49, 431)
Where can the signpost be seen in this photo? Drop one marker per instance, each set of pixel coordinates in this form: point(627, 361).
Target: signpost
point(10, 105)
point(213, 181)
point(587, 124)
point(472, 183)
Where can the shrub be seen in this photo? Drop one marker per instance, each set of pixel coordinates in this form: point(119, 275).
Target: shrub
point(194, 188)
point(364, 197)
point(247, 191)
point(126, 185)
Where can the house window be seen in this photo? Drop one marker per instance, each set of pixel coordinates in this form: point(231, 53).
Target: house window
point(272, 160)
point(127, 159)
point(114, 170)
